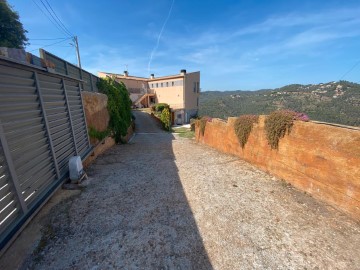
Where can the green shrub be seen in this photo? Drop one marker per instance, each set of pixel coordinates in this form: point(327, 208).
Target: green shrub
point(243, 126)
point(119, 106)
point(161, 106)
point(166, 119)
point(100, 135)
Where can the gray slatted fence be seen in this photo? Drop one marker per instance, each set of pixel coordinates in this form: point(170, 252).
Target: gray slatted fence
point(42, 125)
point(66, 68)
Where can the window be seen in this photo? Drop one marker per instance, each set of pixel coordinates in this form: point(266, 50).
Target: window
point(194, 87)
point(152, 85)
point(197, 102)
point(157, 85)
point(198, 87)
point(161, 84)
point(177, 83)
point(167, 84)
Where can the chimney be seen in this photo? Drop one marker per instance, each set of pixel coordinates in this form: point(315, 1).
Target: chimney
point(152, 76)
point(126, 73)
point(183, 71)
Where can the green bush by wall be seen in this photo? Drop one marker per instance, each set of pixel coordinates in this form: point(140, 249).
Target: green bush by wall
point(119, 107)
point(159, 107)
point(166, 119)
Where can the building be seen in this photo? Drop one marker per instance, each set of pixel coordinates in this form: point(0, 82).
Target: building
point(180, 91)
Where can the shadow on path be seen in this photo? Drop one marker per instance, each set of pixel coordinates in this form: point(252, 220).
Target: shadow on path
point(134, 214)
point(144, 123)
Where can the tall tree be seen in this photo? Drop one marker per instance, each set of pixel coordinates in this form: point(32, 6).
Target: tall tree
point(12, 33)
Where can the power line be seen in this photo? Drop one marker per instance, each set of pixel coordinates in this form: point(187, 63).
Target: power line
point(47, 16)
point(351, 69)
point(47, 38)
point(55, 20)
point(63, 26)
point(48, 45)
point(41, 45)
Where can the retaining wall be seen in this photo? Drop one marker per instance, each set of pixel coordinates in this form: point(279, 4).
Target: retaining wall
point(97, 116)
point(321, 159)
point(95, 106)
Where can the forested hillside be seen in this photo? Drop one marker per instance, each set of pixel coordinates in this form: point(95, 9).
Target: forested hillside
point(334, 102)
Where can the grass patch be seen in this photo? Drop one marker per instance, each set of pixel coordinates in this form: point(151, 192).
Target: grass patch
point(100, 135)
point(184, 132)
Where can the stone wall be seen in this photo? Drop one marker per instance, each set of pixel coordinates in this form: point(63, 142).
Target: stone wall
point(95, 106)
point(97, 116)
point(321, 159)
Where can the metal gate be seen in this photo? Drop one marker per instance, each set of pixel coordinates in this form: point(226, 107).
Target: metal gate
point(42, 125)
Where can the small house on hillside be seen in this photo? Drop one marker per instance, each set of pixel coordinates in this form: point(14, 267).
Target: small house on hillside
point(180, 91)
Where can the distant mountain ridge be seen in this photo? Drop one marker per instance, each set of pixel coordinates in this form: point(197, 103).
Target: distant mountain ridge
point(333, 102)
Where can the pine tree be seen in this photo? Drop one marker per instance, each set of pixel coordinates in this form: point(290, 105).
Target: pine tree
point(12, 33)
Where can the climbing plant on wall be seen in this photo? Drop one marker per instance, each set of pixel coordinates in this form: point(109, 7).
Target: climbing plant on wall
point(201, 123)
point(278, 123)
point(119, 106)
point(243, 126)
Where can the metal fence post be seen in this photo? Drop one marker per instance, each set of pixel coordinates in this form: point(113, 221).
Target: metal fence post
point(91, 82)
point(12, 170)
point(66, 68)
point(82, 105)
point(70, 117)
point(38, 89)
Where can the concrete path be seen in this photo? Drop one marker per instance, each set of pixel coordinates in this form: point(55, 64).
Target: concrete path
point(146, 124)
point(163, 202)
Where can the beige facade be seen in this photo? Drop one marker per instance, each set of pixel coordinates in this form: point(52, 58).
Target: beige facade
point(180, 91)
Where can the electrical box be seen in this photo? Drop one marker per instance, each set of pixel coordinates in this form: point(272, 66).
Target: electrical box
point(75, 169)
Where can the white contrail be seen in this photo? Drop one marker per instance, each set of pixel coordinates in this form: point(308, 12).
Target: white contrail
point(158, 39)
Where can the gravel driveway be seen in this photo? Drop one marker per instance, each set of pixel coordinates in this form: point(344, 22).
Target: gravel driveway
point(163, 202)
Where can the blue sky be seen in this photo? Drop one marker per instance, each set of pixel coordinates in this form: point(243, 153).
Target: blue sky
point(247, 45)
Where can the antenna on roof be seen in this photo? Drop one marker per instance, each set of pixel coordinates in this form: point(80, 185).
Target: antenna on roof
point(126, 67)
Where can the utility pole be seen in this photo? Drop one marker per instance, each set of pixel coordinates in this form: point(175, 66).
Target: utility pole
point(77, 50)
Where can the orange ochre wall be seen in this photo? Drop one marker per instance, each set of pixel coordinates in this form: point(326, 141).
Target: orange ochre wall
point(321, 159)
